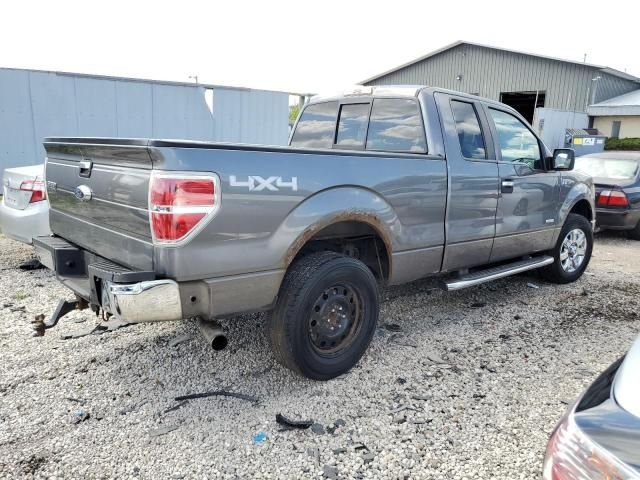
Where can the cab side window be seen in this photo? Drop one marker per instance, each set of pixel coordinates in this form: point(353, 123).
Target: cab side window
point(316, 127)
point(517, 143)
point(469, 131)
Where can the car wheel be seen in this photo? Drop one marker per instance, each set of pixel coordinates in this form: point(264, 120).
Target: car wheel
point(325, 315)
point(635, 233)
point(572, 251)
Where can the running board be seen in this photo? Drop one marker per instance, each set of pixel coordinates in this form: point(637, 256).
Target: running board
point(482, 276)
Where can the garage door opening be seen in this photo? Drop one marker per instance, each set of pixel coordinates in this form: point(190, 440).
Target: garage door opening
point(524, 102)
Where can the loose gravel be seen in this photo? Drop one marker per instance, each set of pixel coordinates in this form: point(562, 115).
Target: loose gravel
point(463, 385)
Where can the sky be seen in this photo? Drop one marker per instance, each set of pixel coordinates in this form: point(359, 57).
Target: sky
point(299, 46)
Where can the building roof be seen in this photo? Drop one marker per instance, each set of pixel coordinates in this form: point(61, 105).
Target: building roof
point(138, 80)
point(627, 104)
point(610, 71)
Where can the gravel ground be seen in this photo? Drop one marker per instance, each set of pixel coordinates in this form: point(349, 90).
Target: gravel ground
point(455, 385)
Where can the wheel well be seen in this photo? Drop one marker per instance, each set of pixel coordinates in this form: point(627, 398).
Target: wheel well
point(354, 239)
point(583, 208)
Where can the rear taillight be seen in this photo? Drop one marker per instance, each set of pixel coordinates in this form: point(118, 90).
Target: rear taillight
point(178, 204)
point(571, 456)
point(37, 189)
point(612, 198)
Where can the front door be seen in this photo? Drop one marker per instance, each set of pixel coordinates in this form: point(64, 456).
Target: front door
point(528, 203)
point(473, 176)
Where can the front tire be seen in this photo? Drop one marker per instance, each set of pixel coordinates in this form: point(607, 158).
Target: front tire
point(572, 251)
point(325, 315)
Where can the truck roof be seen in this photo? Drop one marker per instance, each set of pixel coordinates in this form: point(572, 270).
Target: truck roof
point(411, 91)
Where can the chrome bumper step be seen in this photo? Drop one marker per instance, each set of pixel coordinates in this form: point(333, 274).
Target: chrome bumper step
point(489, 274)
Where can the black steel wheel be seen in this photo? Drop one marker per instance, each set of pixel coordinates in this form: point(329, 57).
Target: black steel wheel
point(325, 315)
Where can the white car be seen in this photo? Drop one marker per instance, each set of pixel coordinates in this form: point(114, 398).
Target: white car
point(24, 210)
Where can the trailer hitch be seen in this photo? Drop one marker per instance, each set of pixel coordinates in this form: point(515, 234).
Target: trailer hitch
point(61, 310)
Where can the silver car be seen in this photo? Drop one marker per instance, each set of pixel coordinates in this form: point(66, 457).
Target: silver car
point(24, 210)
point(599, 437)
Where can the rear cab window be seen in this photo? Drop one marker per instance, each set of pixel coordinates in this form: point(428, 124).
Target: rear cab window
point(316, 126)
point(381, 124)
point(352, 127)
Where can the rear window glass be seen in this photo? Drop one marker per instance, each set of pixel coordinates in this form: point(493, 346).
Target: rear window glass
point(316, 126)
point(468, 128)
point(352, 129)
point(395, 126)
point(612, 168)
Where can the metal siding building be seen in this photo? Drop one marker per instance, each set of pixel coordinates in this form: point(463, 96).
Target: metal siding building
point(37, 104)
point(490, 71)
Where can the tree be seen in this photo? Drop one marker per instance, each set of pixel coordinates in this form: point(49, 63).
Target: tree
point(294, 110)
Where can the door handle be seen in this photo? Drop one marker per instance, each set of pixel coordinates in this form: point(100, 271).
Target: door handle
point(507, 186)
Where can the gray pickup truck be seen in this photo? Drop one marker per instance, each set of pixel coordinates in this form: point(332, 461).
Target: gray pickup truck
point(380, 186)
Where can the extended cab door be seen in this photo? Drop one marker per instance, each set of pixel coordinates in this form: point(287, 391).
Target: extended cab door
point(473, 182)
point(528, 201)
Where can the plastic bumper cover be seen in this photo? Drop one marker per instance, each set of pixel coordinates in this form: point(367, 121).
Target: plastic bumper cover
point(24, 225)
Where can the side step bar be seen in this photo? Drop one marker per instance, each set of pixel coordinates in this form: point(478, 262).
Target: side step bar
point(482, 276)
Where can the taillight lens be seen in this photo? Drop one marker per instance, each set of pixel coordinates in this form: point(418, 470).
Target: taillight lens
point(37, 189)
point(572, 456)
point(178, 204)
point(613, 198)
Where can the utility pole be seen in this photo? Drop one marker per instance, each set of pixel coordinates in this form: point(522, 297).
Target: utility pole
point(195, 77)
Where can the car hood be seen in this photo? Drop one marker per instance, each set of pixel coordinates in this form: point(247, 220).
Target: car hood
point(626, 387)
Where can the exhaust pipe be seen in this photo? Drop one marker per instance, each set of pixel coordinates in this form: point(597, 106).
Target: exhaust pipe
point(213, 334)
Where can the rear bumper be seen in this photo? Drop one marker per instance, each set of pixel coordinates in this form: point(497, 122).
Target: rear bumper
point(140, 296)
point(24, 225)
point(621, 220)
point(146, 301)
point(133, 296)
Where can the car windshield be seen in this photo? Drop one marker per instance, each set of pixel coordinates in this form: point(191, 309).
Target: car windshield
point(608, 167)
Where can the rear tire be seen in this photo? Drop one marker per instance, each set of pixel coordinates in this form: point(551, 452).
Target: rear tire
point(572, 251)
point(635, 233)
point(325, 315)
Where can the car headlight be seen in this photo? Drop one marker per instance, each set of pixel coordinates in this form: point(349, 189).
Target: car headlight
point(571, 455)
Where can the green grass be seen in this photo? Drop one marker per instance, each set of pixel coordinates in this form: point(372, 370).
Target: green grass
point(21, 296)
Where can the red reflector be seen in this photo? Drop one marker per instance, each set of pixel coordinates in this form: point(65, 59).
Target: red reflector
point(36, 187)
point(178, 204)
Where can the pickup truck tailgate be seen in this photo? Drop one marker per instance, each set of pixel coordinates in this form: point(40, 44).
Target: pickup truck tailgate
point(98, 193)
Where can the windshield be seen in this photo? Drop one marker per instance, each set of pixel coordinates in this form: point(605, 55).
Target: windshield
point(607, 167)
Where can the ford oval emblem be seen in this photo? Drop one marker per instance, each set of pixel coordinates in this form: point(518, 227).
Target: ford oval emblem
point(83, 193)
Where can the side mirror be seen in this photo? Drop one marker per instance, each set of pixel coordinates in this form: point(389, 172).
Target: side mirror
point(563, 159)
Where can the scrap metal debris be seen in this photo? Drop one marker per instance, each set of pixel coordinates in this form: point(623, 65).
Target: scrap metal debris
point(163, 430)
point(174, 342)
point(392, 327)
point(80, 416)
point(33, 264)
point(176, 407)
point(292, 424)
point(217, 393)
